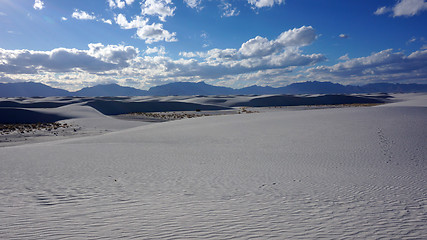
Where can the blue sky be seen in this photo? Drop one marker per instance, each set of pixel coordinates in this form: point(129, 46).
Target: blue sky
point(72, 44)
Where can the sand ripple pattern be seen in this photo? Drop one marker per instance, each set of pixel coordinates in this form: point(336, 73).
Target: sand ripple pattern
point(229, 179)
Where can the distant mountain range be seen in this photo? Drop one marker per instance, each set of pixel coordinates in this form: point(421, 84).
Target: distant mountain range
point(108, 90)
point(31, 89)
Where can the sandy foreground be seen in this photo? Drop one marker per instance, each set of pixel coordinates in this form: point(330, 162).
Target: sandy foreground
point(279, 173)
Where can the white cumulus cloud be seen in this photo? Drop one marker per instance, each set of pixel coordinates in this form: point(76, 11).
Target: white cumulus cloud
point(107, 21)
point(149, 32)
point(38, 4)
point(265, 3)
point(119, 3)
point(302, 36)
point(82, 15)
point(155, 33)
point(193, 3)
point(160, 8)
point(405, 8)
point(137, 22)
point(257, 54)
point(409, 7)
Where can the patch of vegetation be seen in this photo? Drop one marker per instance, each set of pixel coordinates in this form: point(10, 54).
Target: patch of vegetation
point(26, 128)
point(245, 110)
point(169, 115)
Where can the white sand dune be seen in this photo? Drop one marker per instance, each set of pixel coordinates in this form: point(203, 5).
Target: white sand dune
point(81, 121)
point(92, 115)
point(341, 173)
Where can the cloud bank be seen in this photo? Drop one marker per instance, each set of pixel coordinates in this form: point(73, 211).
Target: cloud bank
point(98, 58)
point(127, 62)
point(384, 65)
point(258, 60)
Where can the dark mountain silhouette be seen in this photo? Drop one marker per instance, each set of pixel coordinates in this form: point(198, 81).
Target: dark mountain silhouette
point(189, 88)
point(258, 90)
point(30, 89)
point(394, 87)
point(318, 87)
point(109, 90)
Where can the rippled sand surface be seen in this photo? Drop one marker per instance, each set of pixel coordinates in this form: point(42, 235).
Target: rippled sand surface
point(345, 173)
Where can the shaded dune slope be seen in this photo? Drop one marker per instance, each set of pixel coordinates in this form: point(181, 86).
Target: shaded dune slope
point(290, 100)
point(18, 116)
point(117, 107)
point(13, 104)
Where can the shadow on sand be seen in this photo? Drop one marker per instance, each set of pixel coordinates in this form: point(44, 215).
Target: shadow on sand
point(116, 107)
point(18, 116)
